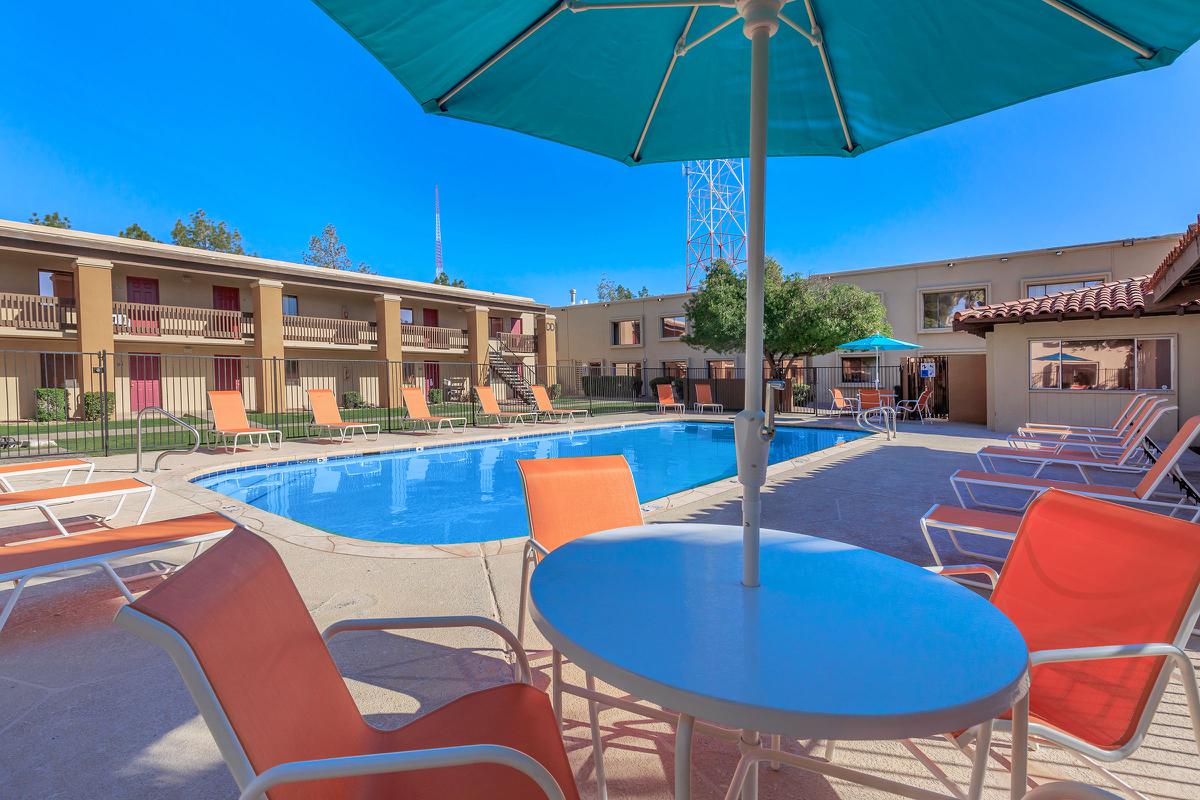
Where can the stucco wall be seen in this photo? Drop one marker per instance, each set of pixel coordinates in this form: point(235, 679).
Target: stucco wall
point(1011, 402)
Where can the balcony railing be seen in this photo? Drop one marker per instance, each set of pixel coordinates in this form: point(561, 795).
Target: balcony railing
point(144, 319)
point(430, 338)
point(517, 342)
point(31, 312)
point(326, 330)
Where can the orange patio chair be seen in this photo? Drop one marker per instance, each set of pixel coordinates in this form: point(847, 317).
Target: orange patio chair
point(21, 562)
point(490, 408)
point(547, 409)
point(566, 498)
point(327, 417)
point(418, 411)
point(922, 406)
point(43, 500)
point(1123, 421)
point(704, 398)
point(231, 424)
point(1106, 597)
point(667, 401)
point(262, 677)
point(842, 405)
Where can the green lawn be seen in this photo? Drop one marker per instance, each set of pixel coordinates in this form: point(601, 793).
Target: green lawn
point(68, 426)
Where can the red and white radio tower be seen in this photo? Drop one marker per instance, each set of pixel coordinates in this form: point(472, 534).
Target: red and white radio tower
point(437, 234)
point(716, 217)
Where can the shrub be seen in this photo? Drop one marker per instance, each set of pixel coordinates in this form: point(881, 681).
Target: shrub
point(435, 396)
point(353, 399)
point(612, 385)
point(554, 390)
point(802, 394)
point(51, 404)
point(94, 405)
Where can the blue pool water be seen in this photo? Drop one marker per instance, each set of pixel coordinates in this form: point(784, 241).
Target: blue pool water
point(472, 492)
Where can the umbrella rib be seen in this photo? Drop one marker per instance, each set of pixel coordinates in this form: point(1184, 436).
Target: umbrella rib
point(557, 9)
point(818, 40)
point(1077, 13)
point(680, 49)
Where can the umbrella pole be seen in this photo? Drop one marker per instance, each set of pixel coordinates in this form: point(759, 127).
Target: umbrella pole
point(761, 20)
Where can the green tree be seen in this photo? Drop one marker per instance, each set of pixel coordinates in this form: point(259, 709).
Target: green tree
point(135, 231)
point(327, 250)
point(801, 316)
point(205, 234)
point(444, 280)
point(643, 292)
point(608, 290)
point(51, 220)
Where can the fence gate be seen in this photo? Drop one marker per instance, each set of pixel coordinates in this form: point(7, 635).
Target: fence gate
point(929, 371)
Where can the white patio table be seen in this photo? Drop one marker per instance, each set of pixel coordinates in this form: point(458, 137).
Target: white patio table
point(838, 643)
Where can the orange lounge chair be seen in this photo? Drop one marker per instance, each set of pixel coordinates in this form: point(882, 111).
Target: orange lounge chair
point(42, 500)
point(23, 561)
point(704, 398)
point(1106, 598)
point(230, 423)
point(1119, 426)
point(566, 498)
point(327, 417)
point(262, 677)
point(546, 409)
point(67, 465)
point(490, 408)
point(418, 411)
point(1025, 436)
point(667, 401)
point(1127, 456)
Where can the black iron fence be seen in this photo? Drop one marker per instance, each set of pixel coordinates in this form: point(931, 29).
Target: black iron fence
point(88, 403)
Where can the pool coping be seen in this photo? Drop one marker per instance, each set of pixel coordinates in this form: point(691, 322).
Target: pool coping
point(299, 534)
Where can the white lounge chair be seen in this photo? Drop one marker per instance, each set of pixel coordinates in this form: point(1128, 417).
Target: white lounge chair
point(1122, 422)
point(66, 465)
point(42, 500)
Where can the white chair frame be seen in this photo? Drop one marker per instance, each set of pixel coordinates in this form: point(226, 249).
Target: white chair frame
point(43, 506)
point(39, 469)
point(345, 431)
point(255, 438)
point(253, 786)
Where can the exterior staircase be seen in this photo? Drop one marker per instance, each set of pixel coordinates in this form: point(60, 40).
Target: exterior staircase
point(512, 376)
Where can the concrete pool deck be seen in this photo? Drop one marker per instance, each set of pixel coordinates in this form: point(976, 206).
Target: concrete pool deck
point(87, 710)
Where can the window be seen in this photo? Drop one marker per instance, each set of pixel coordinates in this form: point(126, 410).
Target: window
point(291, 305)
point(673, 327)
point(721, 368)
point(938, 307)
point(59, 370)
point(495, 327)
point(56, 284)
point(675, 369)
point(1043, 289)
point(291, 371)
point(628, 368)
point(1101, 364)
point(406, 316)
point(627, 332)
point(858, 369)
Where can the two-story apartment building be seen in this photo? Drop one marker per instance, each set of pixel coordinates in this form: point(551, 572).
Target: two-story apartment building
point(174, 321)
point(644, 334)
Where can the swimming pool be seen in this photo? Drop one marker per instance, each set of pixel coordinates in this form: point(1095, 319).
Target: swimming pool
point(472, 492)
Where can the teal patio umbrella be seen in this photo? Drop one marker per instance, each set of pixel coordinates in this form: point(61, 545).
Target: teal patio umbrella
point(877, 343)
point(648, 81)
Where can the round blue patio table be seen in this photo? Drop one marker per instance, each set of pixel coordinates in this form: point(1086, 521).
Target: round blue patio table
point(838, 642)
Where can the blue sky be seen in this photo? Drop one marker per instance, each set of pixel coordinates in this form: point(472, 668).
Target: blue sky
point(267, 115)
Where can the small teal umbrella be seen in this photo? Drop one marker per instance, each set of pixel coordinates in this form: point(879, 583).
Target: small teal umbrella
point(646, 81)
point(1059, 357)
point(877, 343)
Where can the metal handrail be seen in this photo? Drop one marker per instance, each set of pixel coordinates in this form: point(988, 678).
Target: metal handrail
point(195, 432)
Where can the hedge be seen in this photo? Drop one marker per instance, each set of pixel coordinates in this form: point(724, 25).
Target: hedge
point(353, 399)
point(51, 404)
point(94, 408)
point(612, 386)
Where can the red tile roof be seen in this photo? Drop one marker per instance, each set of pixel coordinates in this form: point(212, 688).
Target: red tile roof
point(1123, 298)
point(1190, 235)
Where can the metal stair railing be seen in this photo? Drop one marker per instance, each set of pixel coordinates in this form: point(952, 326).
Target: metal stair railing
point(509, 373)
point(195, 432)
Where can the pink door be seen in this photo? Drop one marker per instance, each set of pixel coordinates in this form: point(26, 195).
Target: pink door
point(145, 291)
point(227, 373)
point(515, 325)
point(145, 384)
point(429, 318)
point(228, 298)
point(433, 375)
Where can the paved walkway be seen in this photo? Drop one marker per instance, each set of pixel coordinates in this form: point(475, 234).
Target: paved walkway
point(87, 710)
